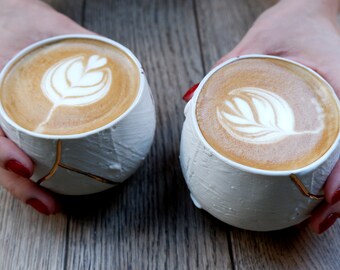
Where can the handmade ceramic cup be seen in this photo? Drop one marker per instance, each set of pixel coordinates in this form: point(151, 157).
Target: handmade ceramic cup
point(99, 157)
point(242, 195)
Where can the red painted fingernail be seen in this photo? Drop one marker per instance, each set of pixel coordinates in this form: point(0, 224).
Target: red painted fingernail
point(39, 206)
point(328, 222)
point(16, 167)
point(336, 196)
point(188, 95)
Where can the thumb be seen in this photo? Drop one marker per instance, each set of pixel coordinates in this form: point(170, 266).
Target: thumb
point(232, 54)
point(243, 48)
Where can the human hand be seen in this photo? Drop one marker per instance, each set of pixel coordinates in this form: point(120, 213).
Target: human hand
point(305, 31)
point(23, 22)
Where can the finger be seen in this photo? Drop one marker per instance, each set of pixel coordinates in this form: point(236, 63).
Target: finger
point(332, 186)
point(331, 73)
point(238, 52)
point(243, 48)
point(225, 58)
point(10, 155)
point(28, 192)
point(324, 217)
point(15, 169)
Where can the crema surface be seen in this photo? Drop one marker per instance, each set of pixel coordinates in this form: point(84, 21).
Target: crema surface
point(267, 114)
point(70, 87)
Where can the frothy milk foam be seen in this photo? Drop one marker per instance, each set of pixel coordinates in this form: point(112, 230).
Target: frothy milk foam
point(70, 87)
point(267, 114)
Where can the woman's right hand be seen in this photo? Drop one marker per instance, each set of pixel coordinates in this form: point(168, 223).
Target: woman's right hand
point(23, 22)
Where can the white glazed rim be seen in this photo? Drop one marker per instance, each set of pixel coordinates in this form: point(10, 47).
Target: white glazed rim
point(30, 48)
point(302, 170)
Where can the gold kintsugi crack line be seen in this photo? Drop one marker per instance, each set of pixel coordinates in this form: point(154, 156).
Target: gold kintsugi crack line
point(303, 189)
point(55, 165)
point(93, 176)
point(58, 163)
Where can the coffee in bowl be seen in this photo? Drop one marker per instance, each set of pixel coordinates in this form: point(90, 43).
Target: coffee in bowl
point(70, 86)
point(268, 114)
point(260, 137)
point(81, 108)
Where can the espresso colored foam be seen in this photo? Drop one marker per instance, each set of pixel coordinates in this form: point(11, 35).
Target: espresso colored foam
point(267, 114)
point(70, 87)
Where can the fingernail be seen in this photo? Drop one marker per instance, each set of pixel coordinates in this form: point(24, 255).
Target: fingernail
point(39, 206)
point(188, 95)
point(336, 196)
point(328, 222)
point(16, 167)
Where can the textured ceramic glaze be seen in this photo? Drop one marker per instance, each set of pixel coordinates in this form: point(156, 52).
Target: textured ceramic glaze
point(113, 152)
point(242, 196)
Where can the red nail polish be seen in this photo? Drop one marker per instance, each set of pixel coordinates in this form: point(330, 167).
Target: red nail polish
point(188, 95)
point(336, 196)
point(16, 167)
point(328, 222)
point(39, 206)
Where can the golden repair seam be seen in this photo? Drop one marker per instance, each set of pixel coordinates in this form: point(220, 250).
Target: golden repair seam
point(303, 189)
point(55, 165)
point(58, 163)
point(93, 176)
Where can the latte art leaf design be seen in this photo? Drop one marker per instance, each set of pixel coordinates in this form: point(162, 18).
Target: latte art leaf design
point(76, 81)
point(257, 116)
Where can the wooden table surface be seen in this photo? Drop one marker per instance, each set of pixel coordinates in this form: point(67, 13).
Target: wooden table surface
point(149, 222)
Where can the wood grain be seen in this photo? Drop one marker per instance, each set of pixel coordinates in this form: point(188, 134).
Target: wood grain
point(293, 248)
point(149, 221)
point(73, 9)
point(29, 240)
point(222, 24)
